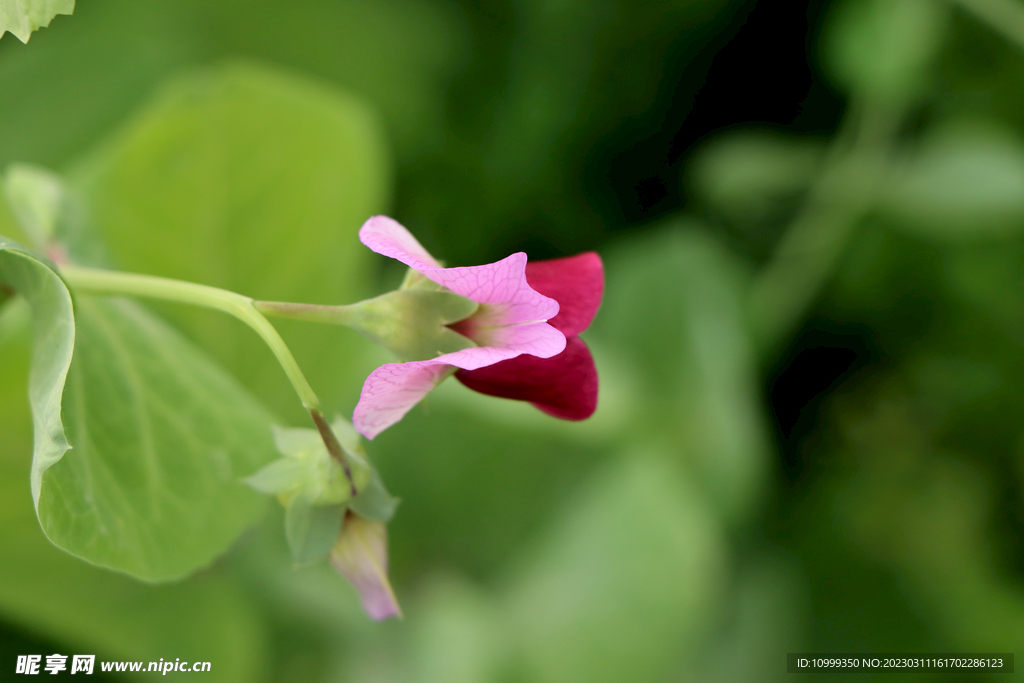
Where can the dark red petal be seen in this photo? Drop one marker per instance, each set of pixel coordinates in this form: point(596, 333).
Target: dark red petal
point(576, 283)
point(564, 385)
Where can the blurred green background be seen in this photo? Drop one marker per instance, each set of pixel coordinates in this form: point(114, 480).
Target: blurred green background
point(810, 348)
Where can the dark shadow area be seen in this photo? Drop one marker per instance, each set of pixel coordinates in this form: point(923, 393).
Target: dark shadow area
point(819, 360)
point(761, 71)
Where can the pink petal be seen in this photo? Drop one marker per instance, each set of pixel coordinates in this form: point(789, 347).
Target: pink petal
point(361, 556)
point(564, 385)
point(485, 328)
point(576, 283)
point(392, 390)
point(389, 237)
point(503, 282)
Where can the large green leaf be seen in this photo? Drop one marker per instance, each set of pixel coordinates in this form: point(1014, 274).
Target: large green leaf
point(53, 343)
point(162, 438)
point(22, 17)
point(257, 181)
point(81, 608)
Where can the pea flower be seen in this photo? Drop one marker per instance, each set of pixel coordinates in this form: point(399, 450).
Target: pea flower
point(526, 343)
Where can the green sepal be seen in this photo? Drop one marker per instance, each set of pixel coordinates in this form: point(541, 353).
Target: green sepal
point(308, 470)
point(413, 323)
point(374, 502)
point(279, 477)
point(314, 491)
point(311, 529)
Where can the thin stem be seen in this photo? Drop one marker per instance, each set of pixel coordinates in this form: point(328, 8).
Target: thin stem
point(311, 313)
point(95, 281)
point(333, 446)
point(843, 194)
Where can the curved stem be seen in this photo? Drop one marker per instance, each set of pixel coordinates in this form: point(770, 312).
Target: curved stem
point(96, 281)
point(311, 313)
point(806, 255)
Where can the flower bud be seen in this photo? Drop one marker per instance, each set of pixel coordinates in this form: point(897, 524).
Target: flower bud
point(361, 556)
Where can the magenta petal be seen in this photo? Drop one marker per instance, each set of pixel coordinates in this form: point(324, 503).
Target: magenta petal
point(564, 385)
point(576, 283)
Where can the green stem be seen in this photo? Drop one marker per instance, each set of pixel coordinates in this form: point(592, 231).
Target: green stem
point(333, 446)
point(349, 316)
point(845, 191)
point(95, 281)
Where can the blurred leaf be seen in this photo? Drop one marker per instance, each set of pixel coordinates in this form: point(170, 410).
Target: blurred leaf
point(625, 581)
point(36, 196)
point(458, 635)
point(162, 438)
point(674, 311)
point(965, 181)
point(9, 225)
point(86, 609)
point(883, 48)
point(745, 174)
point(22, 17)
point(253, 180)
point(53, 346)
point(767, 615)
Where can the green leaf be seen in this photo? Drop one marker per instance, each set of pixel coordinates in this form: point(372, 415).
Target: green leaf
point(883, 48)
point(745, 174)
point(36, 197)
point(257, 181)
point(44, 590)
point(624, 583)
point(965, 181)
point(53, 325)
point(161, 440)
point(22, 17)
